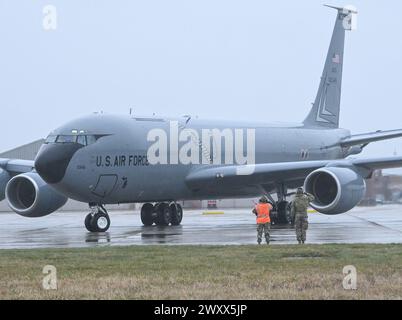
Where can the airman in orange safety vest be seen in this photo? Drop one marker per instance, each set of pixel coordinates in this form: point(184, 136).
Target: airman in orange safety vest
point(262, 210)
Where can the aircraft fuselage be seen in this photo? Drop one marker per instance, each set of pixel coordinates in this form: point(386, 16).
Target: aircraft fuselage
point(116, 168)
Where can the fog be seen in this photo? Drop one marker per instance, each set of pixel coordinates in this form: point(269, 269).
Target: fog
point(226, 59)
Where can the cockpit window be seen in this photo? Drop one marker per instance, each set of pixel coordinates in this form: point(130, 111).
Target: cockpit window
point(91, 140)
point(66, 139)
point(84, 140)
point(51, 139)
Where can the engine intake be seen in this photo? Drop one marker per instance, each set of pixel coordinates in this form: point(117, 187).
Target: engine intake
point(336, 190)
point(29, 196)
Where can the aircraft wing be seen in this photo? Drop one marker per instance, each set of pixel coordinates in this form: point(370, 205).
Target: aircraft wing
point(17, 166)
point(378, 163)
point(260, 173)
point(267, 173)
point(364, 139)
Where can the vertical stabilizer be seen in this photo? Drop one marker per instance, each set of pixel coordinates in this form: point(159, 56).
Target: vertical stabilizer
point(326, 108)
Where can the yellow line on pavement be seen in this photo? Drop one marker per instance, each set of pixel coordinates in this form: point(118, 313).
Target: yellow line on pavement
point(207, 213)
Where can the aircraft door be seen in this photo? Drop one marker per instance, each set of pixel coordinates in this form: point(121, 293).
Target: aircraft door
point(105, 185)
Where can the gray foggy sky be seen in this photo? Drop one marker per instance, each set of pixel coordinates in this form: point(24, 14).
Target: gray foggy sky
point(224, 59)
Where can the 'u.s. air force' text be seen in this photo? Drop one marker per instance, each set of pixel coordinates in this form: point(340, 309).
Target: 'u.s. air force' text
point(122, 161)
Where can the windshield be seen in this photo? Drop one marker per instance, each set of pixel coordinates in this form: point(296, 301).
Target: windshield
point(66, 139)
point(84, 140)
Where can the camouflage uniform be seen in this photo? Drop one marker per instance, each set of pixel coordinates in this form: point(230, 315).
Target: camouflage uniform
point(299, 214)
point(263, 228)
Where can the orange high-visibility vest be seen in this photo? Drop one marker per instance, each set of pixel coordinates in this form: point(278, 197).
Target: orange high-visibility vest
point(263, 210)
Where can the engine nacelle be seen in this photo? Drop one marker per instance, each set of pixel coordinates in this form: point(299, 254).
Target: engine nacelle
point(336, 190)
point(29, 196)
point(4, 178)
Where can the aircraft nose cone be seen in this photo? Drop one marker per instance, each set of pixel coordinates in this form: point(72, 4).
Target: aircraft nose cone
point(53, 159)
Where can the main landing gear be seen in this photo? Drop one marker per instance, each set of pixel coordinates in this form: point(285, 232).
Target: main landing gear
point(162, 214)
point(281, 215)
point(98, 220)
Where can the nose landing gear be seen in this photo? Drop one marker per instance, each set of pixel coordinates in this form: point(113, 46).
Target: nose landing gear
point(98, 220)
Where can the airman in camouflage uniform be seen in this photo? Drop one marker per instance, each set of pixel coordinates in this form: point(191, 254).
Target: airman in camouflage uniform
point(299, 213)
point(262, 212)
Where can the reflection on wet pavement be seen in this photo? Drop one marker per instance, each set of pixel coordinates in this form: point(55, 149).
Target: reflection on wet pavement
point(236, 226)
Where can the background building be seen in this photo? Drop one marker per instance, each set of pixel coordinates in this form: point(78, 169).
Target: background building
point(25, 152)
point(383, 189)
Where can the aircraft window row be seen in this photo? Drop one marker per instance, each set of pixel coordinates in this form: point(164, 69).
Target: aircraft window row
point(84, 140)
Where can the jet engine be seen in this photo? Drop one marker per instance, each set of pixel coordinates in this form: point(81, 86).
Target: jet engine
point(336, 190)
point(29, 196)
point(4, 178)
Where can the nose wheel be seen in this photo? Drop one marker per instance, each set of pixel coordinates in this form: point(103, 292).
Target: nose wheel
point(98, 220)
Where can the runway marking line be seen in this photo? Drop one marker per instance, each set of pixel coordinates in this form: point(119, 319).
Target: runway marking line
point(208, 213)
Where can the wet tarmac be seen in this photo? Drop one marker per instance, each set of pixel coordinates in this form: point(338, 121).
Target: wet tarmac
point(236, 226)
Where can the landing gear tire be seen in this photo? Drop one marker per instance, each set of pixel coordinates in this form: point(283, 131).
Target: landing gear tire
point(87, 222)
point(147, 211)
point(284, 212)
point(100, 222)
point(163, 214)
point(177, 214)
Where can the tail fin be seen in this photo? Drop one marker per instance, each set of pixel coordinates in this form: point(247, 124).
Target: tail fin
point(326, 108)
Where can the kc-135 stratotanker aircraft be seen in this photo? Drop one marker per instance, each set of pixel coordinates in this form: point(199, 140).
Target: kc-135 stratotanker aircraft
point(104, 159)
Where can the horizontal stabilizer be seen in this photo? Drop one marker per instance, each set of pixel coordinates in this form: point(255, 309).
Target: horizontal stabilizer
point(346, 10)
